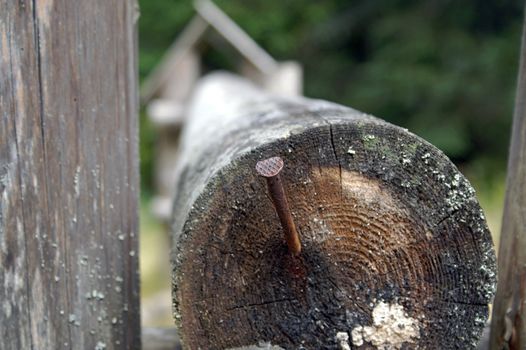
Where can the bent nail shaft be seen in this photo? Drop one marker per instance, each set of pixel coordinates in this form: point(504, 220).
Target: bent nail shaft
point(270, 169)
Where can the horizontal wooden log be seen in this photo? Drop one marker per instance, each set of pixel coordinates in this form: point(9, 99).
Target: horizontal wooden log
point(395, 248)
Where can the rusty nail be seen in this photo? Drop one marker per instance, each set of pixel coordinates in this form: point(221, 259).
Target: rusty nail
point(270, 169)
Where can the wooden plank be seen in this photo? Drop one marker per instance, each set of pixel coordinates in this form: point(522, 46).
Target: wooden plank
point(509, 312)
point(388, 226)
point(68, 175)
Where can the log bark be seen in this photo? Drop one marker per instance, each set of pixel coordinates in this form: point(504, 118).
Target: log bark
point(508, 326)
point(68, 175)
point(395, 248)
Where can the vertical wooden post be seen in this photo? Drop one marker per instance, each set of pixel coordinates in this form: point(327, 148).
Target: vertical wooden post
point(509, 312)
point(68, 175)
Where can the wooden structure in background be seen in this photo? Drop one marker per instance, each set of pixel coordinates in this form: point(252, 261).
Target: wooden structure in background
point(509, 312)
point(395, 248)
point(167, 91)
point(68, 175)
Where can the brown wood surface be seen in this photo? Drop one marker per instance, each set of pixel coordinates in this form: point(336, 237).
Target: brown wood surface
point(386, 222)
point(68, 175)
point(509, 313)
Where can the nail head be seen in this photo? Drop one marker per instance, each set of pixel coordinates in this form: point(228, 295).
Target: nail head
point(269, 167)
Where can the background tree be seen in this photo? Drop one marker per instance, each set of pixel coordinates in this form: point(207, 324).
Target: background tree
point(443, 69)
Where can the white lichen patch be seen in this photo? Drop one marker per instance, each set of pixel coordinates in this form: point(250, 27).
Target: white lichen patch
point(391, 328)
point(76, 184)
point(262, 345)
point(320, 231)
point(342, 338)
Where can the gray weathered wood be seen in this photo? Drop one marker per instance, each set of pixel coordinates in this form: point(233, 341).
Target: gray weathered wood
point(168, 339)
point(160, 339)
point(387, 225)
point(485, 338)
point(509, 312)
point(68, 175)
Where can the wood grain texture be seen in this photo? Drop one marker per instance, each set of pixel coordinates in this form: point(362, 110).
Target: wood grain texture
point(68, 175)
point(509, 313)
point(388, 226)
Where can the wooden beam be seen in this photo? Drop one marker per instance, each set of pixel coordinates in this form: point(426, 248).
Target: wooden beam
point(391, 233)
point(240, 40)
point(208, 15)
point(165, 72)
point(509, 312)
point(68, 175)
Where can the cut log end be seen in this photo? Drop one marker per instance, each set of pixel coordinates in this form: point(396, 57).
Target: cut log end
point(395, 249)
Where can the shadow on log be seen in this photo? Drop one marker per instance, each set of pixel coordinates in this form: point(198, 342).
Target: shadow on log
point(395, 248)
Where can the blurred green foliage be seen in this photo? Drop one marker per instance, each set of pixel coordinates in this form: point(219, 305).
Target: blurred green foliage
point(444, 69)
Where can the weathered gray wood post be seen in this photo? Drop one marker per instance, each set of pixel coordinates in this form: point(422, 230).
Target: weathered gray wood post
point(68, 175)
point(509, 312)
point(395, 250)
